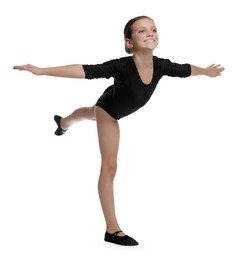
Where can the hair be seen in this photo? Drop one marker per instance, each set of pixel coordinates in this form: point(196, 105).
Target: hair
point(128, 30)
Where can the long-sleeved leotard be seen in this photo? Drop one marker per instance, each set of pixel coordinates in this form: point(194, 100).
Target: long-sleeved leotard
point(129, 93)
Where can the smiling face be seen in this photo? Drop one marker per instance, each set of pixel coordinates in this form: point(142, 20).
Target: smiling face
point(144, 36)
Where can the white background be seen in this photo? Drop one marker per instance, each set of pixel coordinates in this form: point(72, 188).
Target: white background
point(179, 183)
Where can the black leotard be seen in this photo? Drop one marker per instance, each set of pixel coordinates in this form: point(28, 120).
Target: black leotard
point(129, 93)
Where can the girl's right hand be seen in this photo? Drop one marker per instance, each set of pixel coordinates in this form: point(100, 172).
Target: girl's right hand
point(28, 67)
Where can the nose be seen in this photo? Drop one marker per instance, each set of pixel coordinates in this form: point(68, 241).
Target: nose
point(150, 34)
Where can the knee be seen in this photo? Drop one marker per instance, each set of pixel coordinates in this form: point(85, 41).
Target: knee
point(91, 112)
point(109, 168)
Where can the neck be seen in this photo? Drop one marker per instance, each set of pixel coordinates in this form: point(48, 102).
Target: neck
point(143, 59)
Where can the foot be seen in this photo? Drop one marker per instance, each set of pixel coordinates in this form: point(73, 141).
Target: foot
point(59, 130)
point(124, 240)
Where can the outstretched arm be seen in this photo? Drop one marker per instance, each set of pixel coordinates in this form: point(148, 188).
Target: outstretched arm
point(210, 71)
point(68, 71)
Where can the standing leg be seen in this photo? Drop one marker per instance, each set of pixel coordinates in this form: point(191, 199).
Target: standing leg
point(109, 135)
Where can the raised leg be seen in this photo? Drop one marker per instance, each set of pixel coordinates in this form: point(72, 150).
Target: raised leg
point(82, 113)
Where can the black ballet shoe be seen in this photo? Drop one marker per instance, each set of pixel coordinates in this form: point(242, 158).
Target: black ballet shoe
point(59, 130)
point(123, 241)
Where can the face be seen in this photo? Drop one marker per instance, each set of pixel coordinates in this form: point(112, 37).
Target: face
point(144, 35)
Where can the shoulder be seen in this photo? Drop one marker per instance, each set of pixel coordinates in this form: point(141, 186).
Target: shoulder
point(120, 61)
point(169, 68)
point(121, 66)
point(161, 61)
point(161, 64)
point(112, 68)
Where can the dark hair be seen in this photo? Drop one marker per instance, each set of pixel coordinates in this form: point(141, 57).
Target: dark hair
point(128, 30)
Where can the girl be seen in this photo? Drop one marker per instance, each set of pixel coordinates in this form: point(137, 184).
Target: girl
point(135, 79)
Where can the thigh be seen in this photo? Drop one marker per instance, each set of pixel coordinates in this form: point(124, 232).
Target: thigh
point(108, 134)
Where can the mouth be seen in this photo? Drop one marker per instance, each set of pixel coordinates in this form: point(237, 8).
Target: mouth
point(150, 40)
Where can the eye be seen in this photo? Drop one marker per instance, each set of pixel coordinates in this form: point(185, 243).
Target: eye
point(155, 30)
point(141, 31)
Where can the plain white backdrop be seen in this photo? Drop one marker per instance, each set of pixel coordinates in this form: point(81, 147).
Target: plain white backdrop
point(179, 183)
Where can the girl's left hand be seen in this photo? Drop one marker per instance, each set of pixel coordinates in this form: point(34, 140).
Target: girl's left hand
point(214, 70)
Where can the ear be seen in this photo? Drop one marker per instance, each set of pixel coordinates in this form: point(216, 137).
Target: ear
point(128, 43)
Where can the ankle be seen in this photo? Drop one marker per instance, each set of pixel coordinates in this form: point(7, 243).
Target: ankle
point(118, 233)
point(114, 229)
point(63, 124)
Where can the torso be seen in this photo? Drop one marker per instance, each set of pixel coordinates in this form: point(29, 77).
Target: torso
point(146, 75)
point(130, 92)
point(133, 84)
point(145, 71)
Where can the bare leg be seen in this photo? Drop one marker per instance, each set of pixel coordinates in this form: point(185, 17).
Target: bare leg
point(82, 113)
point(108, 133)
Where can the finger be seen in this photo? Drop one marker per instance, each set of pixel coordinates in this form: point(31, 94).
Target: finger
point(219, 71)
point(19, 67)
